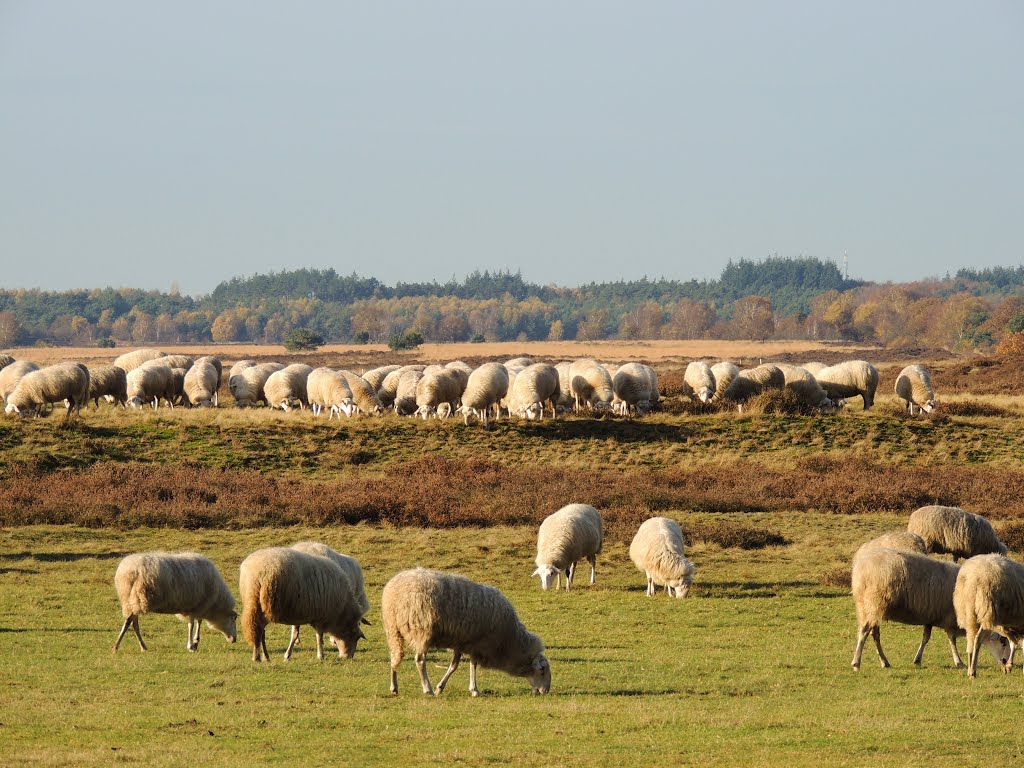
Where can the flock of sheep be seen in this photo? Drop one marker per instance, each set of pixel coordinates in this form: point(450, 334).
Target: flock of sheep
point(517, 387)
point(310, 583)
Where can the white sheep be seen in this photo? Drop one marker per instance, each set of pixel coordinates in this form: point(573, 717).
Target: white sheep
point(432, 609)
point(129, 361)
point(281, 585)
point(351, 568)
point(805, 387)
point(11, 374)
point(174, 582)
point(591, 386)
point(910, 588)
point(405, 394)
point(631, 387)
point(652, 377)
point(217, 366)
point(814, 368)
point(904, 541)
point(52, 384)
point(566, 399)
point(200, 384)
point(375, 376)
point(487, 385)
point(388, 390)
point(109, 382)
point(238, 367)
point(657, 550)
point(149, 383)
point(989, 602)
point(177, 361)
point(699, 382)
point(914, 387)
point(724, 373)
point(178, 375)
point(329, 389)
point(364, 394)
point(754, 381)
point(572, 533)
point(462, 370)
point(535, 387)
point(850, 379)
point(437, 388)
point(519, 362)
point(953, 531)
point(248, 386)
point(286, 389)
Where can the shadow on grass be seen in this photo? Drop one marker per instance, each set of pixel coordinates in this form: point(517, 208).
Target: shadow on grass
point(24, 630)
point(62, 557)
point(17, 570)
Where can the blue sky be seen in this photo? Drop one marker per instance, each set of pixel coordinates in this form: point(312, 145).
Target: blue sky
point(142, 143)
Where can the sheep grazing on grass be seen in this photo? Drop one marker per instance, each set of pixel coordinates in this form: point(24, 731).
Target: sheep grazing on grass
point(724, 373)
point(535, 387)
point(989, 602)
point(183, 583)
point(177, 361)
point(351, 568)
point(200, 384)
point(281, 585)
point(486, 386)
point(364, 394)
point(238, 367)
point(754, 381)
point(591, 386)
point(178, 376)
point(435, 389)
point(11, 374)
point(109, 382)
point(462, 370)
point(914, 387)
point(805, 387)
point(572, 533)
point(432, 609)
point(129, 361)
point(903, 541)
point(388, 390)
point(699, 382)
point(632, 388)
point(248, 386)
point(850, 379)
point(375, 376)
point(286, 389)
point(519, 362)
point(814, 368)
point(952, 531)
point(405, 395)
point(52, 384)
point(566, 399)
point(329, 389)
point(219, 368)
point(658, 551)
point(910, 588)
point(149, 383)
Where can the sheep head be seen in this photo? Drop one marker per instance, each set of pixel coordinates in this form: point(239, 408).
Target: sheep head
point(225, 625)
point(547, 573)
point(540, 674)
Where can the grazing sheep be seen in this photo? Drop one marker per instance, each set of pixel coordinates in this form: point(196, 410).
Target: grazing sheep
point(591, 386)
point(52, 384)
point(178, 374)
point(462, 371)
point(129, 361)
point(951, 530)
point(432, 609)
point(149, 383)
point(487, 385)
point(200, 384)
point(805, 387)
point(351, 568)
point(631, 388)
point(183, 583)
point(910, 588)
point(566, 400)
point(11, 374)
point(281, 585)
point(287, 387)
point(850, 379)
point(535, 386)
point(364, 395)
point(436, 388)
point(217, 366)
point(375, 376)
point(329, 389)
point(570, 534)
point(503, 404)
point(724, 373)
point(914, 387)
point(248, 387)
point(6, 360)
point(699, 382)
point(904, 541)
point(389, 387)
point(652, 377)
point(519, 362)
point(177, 361)
point(989, 598)
point(754, 381)
point(110, 382)
point(238, 367)
point(405, 395)
point(657, 550)
point(813, 368)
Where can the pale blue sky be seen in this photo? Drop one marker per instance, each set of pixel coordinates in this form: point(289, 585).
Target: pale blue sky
point(142, 143)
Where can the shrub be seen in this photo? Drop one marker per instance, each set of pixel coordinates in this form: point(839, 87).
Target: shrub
point(478, 339)
point(301, 339)
point(409, 340)
point(107, 343)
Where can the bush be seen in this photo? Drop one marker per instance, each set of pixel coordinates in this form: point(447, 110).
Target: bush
point(106, 343)
point(409, 340)
point(478, 339)
point(301, 338)
point(363, 337)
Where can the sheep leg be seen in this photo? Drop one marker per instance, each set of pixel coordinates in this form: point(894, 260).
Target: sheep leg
point(473, 690)
point(925, 637)
point(957, 661)
point(124, 629)
point(876, 635)
point(570, 572)
point(650, 585)
point(593, 568)
point(980, 636)
point(195, 645)
point(456, 657)
point(421, 665)
point(291, 643)
point(862, 637)
point(397, 654)
point(320, 644)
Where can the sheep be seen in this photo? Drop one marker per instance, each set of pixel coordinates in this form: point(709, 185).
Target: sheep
point(989, 596)
point(631, 388)
point(652, 376)
point(503, 404)
point(11, 374)
point(238, 367)
point(434, 389)
point(375, 376)
point(753, 381)
point(914, 387)
point(177, 361)
point(364, 395)
point(699, 382)
point(326, 388)
point(801, 383)
point(147, 384)
point(52, 384)
point(388, 390)
point(109, 382)
point(184, 583)
point(911, 588)
point(951, 530)
point(657, 550)
point(570, 534)
point(534, 387)
point(566, 400)
point(519, 362)
point(462, 371)
point(351, 568)
point(850, 379)
point(487, 385)
point(591, 386)
point(813, 368)
point(724, 373)
point(178, 376)
point(433, 609)
point(904, 541)
point(405, 395)
point(200, 384)
point(6, 360)
point(281, 585)
point(217, 366)
point(248, 387)
point(284, 388)
point(129, 361)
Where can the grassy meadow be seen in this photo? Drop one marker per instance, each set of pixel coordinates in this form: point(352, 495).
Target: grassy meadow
point(752, 668)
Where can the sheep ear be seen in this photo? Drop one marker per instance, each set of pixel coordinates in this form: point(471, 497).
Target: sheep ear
point(361, 635)
point(535, 573)
point(366, 621)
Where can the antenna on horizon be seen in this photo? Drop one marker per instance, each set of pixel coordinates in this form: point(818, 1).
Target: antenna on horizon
point(846, 265)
